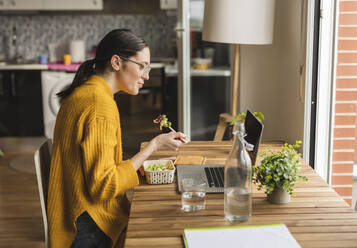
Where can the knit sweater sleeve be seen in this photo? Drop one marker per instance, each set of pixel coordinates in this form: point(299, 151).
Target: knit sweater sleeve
point(104, 178)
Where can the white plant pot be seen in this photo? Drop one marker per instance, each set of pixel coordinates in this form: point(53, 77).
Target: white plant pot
point(279, 196)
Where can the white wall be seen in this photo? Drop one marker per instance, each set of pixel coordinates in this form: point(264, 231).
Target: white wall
point(269, 77)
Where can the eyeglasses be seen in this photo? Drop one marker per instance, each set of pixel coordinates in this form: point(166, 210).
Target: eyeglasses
point(145, 68)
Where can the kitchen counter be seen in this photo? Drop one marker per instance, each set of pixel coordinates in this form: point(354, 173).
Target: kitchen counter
point(171, 71)
point(157, 65)
point(4, 66)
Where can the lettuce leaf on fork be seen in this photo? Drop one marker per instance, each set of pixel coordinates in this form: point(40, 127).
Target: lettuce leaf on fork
point(162, 121)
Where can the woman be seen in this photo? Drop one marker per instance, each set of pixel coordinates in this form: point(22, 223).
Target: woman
point(87, 206)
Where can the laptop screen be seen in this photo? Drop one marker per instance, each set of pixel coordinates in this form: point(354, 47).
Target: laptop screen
point(254, 130)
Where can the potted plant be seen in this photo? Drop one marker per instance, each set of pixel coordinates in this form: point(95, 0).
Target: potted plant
point(278, 171)
point(240, 117)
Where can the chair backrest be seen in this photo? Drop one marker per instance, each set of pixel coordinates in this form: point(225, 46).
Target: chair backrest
point(42, 160)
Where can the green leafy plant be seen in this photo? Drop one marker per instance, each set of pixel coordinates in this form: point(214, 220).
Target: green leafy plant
point(241, 117)
point(279, 169)
point(1, 153)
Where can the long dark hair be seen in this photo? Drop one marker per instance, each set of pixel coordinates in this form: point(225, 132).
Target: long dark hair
point(122, 42)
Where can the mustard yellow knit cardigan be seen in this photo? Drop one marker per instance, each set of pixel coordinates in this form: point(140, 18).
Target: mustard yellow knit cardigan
point(87, 170)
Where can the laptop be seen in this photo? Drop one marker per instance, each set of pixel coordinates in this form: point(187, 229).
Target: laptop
point(213, 174)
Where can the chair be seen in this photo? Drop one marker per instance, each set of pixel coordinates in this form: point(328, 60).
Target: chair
point(42, 160)
point(224, 120)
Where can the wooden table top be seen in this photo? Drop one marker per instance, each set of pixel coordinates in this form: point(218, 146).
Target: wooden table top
point(316, 216)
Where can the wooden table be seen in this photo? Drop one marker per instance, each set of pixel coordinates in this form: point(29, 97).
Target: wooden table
point(316, 216)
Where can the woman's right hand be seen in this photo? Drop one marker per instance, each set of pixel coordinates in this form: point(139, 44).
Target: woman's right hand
point(172, 141)
point(169, 140)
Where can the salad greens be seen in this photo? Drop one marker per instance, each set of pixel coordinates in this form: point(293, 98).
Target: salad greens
point(162, 121)
point(159, 167)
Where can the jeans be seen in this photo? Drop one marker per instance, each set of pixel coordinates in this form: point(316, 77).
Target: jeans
point(89, 234)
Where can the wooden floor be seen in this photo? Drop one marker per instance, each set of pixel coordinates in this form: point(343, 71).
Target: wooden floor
point(20, 213)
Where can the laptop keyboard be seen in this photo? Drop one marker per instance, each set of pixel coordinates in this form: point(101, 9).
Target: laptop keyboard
point(215, 176)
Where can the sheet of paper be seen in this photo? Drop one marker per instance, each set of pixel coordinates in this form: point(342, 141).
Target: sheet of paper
point(274, 236)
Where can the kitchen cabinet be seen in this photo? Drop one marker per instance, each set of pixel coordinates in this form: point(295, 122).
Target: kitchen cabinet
point(7, 106)
point(21, 4)
point(21, 103)
point(14, 5)
point(73, 5)
point(4, 4)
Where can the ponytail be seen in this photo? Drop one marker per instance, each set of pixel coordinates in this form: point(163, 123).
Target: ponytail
point(84, 72)
point(118, 41)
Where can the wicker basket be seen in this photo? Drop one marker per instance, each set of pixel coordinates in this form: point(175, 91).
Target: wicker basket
point(159, 177)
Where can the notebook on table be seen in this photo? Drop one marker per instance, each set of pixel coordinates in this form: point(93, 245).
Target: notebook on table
point(267, 236)
point(214, 174)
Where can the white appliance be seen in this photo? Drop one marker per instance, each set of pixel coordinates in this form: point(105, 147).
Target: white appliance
point(52, 83)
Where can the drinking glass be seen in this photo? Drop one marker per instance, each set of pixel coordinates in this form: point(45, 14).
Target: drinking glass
point(193, 195)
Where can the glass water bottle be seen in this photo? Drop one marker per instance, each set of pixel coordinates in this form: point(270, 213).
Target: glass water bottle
point(238, 179)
